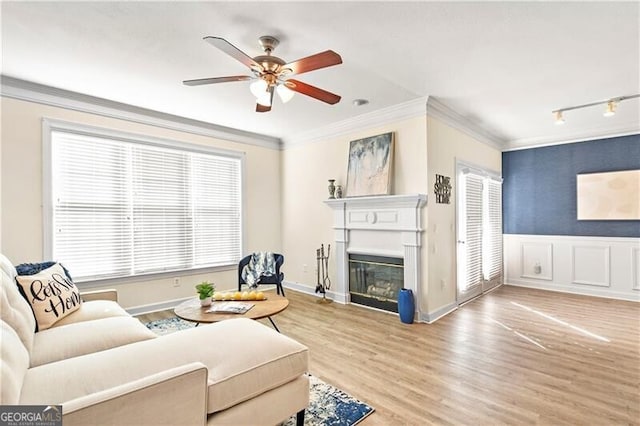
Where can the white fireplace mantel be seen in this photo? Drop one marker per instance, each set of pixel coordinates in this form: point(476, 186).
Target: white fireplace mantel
point(382, 226)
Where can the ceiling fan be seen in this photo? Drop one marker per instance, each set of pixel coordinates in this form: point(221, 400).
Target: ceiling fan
point(269, 73)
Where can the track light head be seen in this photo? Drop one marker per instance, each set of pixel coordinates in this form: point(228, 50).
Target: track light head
point(611, 109)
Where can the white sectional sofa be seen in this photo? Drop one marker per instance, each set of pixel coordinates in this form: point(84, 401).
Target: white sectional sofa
point(106, 368)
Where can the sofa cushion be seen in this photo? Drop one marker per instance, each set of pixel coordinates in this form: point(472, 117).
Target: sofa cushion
point(51, 294)
point(14, 363)
point(72, 340)
point(244, 359)
point(93, 310)
point(14, 310)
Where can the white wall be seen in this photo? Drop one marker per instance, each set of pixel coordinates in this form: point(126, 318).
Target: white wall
point(307, 222)
point(21, 194)
point(446, 145)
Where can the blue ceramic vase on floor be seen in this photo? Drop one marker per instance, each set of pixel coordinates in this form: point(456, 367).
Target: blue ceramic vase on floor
point(406, 305)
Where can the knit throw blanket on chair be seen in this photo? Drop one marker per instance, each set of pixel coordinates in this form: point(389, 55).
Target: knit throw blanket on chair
point(262, 263)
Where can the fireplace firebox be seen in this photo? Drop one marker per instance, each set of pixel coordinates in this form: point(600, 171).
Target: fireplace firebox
point(375, 281)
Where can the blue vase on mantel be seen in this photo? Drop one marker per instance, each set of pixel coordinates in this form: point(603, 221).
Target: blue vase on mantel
point(406, 305)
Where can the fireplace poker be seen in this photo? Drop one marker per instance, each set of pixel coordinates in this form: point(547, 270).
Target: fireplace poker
point(318, 261)
point(322, 258)
point(326, 281)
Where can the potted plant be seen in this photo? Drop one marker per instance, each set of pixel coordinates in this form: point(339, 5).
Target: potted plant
point(205, 290)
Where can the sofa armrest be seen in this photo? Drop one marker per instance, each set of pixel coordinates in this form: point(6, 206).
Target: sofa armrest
point(108, 294)
point(177, 396)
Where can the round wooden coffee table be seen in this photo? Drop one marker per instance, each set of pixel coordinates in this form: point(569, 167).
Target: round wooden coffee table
point(190, 310)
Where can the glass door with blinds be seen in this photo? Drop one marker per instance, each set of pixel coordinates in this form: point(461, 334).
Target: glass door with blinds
point(479, 219)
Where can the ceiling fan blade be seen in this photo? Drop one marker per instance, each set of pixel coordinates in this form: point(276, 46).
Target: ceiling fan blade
point(233, 51)
point(314, 62)
point(314, 92)
point(262, 108)
point(201, 81)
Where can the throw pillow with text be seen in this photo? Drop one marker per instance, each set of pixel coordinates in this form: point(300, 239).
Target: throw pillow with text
point(51, 293)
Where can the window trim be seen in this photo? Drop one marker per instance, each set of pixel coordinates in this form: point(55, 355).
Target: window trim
point(50, 125)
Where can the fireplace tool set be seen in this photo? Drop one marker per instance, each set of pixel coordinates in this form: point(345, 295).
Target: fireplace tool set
point(324, 283)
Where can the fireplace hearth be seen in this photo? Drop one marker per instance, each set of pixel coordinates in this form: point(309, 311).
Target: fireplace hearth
point(375, 281)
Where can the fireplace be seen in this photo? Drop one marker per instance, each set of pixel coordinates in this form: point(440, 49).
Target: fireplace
point(385, 226)
point(375, 281)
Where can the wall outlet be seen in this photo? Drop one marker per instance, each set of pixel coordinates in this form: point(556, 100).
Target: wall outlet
point(176, 282)
point(305, 267)
point(442, 284)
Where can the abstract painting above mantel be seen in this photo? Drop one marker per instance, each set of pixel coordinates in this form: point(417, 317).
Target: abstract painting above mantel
point(370, 166)
point(609, 196)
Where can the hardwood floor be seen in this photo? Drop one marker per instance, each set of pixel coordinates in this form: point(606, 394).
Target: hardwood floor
point(514, 356)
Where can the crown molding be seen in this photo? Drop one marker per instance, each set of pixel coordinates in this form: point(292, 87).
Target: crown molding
point(33, 92)
point(542, 141)
point(381, 117)
point(437, 109)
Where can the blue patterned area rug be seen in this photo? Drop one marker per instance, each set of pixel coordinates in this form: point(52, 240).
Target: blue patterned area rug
point(328, 405)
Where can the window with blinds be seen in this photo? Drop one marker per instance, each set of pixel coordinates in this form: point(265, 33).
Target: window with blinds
point(123, 208)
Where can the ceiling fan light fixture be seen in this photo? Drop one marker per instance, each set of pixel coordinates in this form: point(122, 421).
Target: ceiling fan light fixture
point(558, 117)
point(269, 71)
point(259, 88)
point(611, 109)
point(284, 93)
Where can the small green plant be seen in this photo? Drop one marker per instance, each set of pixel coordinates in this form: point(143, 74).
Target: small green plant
point(205, 289)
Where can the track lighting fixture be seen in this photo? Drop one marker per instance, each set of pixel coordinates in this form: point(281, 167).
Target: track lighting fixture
point(610, 110)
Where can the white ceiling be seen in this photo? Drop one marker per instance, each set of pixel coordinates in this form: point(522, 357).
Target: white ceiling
point(502, 65)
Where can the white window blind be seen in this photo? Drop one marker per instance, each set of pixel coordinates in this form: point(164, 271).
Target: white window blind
point(122, 208)
point(473, 202)
point(492, 234)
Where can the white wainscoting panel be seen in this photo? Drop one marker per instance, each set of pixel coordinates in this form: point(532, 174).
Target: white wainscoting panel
point(590, 265)
point(537, 260)
point(595, 266)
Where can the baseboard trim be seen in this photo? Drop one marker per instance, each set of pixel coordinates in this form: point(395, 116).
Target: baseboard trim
point(303, 288)
point(155, 307)
point(583, 291)
point(431, 317)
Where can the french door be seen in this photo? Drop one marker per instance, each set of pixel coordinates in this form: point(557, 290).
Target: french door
point(479, 220)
